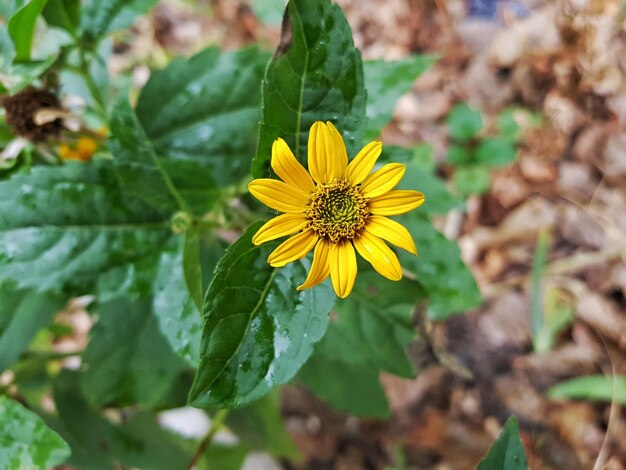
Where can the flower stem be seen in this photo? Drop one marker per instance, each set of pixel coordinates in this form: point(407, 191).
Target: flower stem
point(216, 424)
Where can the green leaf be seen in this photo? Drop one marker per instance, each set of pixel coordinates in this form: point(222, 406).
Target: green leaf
point(192, 267)
point(507, 452)
point(97, 444)
point(64, 14)
point(315, 75)
point(371, 333)
point(439, 269)
point(177, 313)
point(269, 12)
point(22, 27)
point(472, 179)
point(464, 123)
point(592, 387)
point(459, 155)
point(221, 457)
point(22, 313)
point(351, 387)
point(537, 293)
point(374, 326)
point(139, 170)
point(421, 176)
point(514, 120)
point(99, 17)
point(61, 227)
point(128, 360)
point(25, 440)
point(201, 115)
point(258, 329)
point(260, 425)
point(385, 83)
point(495, 152)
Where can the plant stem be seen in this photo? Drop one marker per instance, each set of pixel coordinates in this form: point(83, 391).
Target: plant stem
point(91, 85)
point(216, 423)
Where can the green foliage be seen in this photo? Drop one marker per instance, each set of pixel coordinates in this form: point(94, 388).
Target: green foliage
point(371, 334)
point(64, 14)
point(201, 115)
point(181, 313)
point(260, 426)
point(507, 452)
point(420, 174)
point(258, 329)
point(128, 360)
point(76, 219)
point(316, 74)
point(22, 313)
point(474, 154)
point(25, 441)
point(385, 83)
point(22, 28)
point(269, 12)
point(464, 123)
point(592, 387)
point(439, 269)
point(471, 179)
point(100, 17)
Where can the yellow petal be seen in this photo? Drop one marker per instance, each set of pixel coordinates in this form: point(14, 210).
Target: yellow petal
point(293, 248)
point(383, 180)
point(289, 169)
point(395, 202)
point(343, 269)
point(380, 256)
point(278, 195)
point(340, 158)
point(324, 154)
point(286, 224)
point(320, 266)
point(364, 162)
point(391, 231)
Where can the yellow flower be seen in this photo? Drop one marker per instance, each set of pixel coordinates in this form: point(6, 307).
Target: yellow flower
point(336, 208)
point(84, 149)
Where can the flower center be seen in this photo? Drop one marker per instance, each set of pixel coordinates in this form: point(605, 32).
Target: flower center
point(337, 210)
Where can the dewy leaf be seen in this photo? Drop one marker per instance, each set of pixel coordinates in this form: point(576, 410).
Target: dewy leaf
point(507, 452)
point(258, 329)
point(99, 17)
point(138, 167)
point(439, 269)
point(371, 333)
point(22, 28)
point(127, 360)
point(316, 74)
point(177, 313)
point(386, 82)
point(63, 226)
point(202, 116)
point(22, 313)
point(25, 440)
